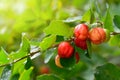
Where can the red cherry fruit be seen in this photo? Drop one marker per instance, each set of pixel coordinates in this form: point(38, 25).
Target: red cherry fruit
point(77, 57)
point(44, 70)
point(65, 50)
point(97, 35)
point(80, 43)
point(81, 31)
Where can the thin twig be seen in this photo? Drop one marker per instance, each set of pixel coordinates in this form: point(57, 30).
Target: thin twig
point(30, 54)
point(114, 33)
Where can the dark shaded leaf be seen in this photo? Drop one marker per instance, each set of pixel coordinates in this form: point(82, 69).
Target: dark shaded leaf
point(48, 55)
point(107, 72)
point(6, 73)
point(116, 21)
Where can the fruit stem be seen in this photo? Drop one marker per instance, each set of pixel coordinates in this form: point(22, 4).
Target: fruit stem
point(114, 33)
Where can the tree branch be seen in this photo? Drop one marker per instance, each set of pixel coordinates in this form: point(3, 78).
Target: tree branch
point(32, 53)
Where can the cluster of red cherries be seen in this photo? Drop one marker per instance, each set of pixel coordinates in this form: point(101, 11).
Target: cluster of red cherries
point(82, 33)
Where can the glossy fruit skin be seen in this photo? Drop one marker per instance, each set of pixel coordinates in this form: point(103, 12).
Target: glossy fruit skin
point(65, 50)
point(57, 61)
point(80, 43)
point(81, 31)
point(77, 57)
point(97, 35)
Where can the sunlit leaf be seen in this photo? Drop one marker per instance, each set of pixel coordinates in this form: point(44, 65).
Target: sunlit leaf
point(24, 49)
point(48, 76)
point(26, 74)
point(115, 40)
point(108, 23)
point(3, 56)
point(59, 28)
point(47, 42)
point(88, 16)
point(107, 72)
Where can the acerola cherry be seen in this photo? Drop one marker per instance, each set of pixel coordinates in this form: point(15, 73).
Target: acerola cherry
point(80, 43)
point(77, 57)
point(57, 61)
point(97, 35)
point(81, 31)
point(65, 50)
point(44, 70)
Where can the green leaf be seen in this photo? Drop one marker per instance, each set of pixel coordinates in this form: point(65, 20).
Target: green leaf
point(28, 63)
point(18, 67)
point(108, 22)
point(3, 56)
point(88, 16)
point(49, 54)
point(73, 19)
point(6, 73)
point(107, 72)
point(89, 50)
point(48, 76)
point(68, 62)
point(59, 28)
point(116, 21)
point(15, 77)
point(24, 49)
point(115, 40)
point(47, 42)
point(26, 74)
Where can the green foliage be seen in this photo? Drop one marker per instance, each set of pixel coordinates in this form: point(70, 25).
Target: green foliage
point(49, 76)
point(107, 72)
point(47, 42)
point(48, 54)
point(70, 62)
point(117, 20)
point(115, 40)
point(6, 73)
point(23, 51)
point(88, 16)
point(108, 23)
point(59, 28)
point(26, 74)
point(4, 56)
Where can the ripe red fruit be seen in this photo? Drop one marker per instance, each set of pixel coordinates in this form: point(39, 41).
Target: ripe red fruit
point(81, 31)
point(80, 43)
point(57, 61)
point(77, 57)
point(65, 50)
point(97, 35)
point(44, 70)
